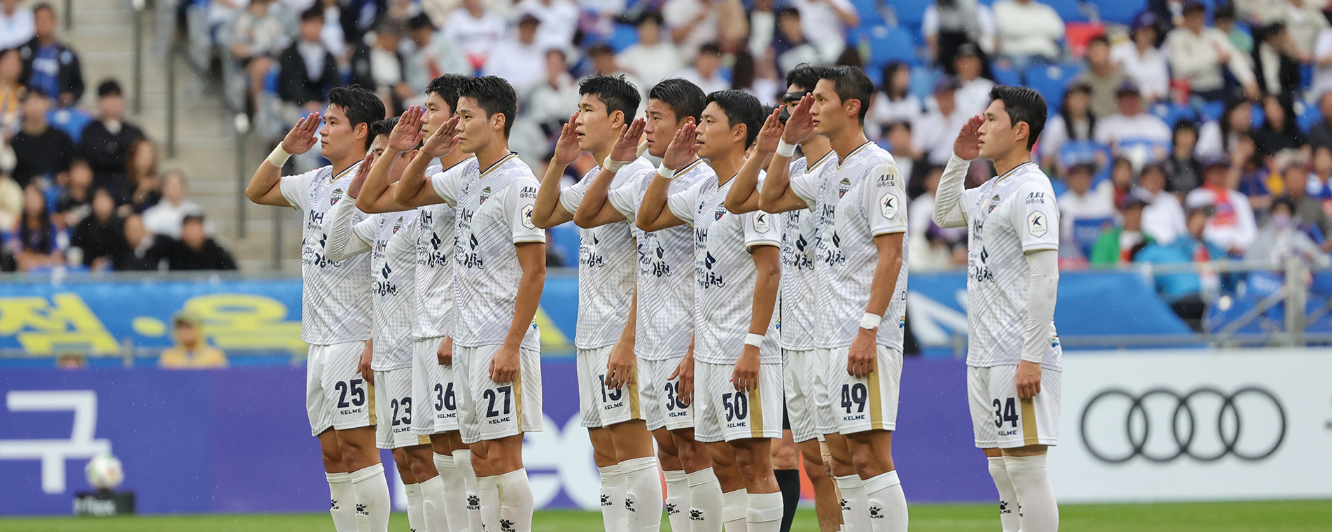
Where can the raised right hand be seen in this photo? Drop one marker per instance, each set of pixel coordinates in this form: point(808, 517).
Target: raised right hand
point(801, 123)
point(626, 147)
point(444, 141)
point(683, 147)
point(406, 136)
point(771, 133)
point(967, 145)
point(363, 171)
point(302, 136)
point(566, 148)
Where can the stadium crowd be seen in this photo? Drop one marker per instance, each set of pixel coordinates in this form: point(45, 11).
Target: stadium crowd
point(81, 188)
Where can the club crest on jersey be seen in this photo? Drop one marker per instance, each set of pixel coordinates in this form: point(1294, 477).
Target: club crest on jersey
point(1036, 224)
point(334, 196)
point(842, 187)
point(721, 210)
point(485, 194)
point(761, 222)
point(397, 225)
point(994, 202)
point(889, 202)
point(527, 217)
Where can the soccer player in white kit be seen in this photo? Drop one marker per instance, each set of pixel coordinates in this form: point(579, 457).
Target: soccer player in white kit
point(335, 312)
point(432, 360)
point(803, 291)
point(738, 271)
point(664, 334)
point(499, 272)
point(608, 390)
point(1013, 353)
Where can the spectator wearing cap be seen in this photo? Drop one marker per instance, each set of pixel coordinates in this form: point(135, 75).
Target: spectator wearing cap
point(1181, 168)
point(308, 70)
point(1131, 122)
point(379, 66)
point(1183, 290)
point(1163, 216)
point(1120, 243)
point(195, 251)
point(1275, 65)
point(477, 29)
point(106, 141)
point(1103, 76)
point(949, 24)
point(825, 23)
point(1029, 32)
point(39, 149)
point(791, 46)
point(706, 72)
point(101, 236)
point(1308, 210)
point(559, 21)
point(1142, 60)
point(191, 350)
point(651, 58)
point(973, 92)
point(520, 59)
point(144, 251)
point(1083, 202)
point(17, 24)
point(1233, 227)
point(935, 131)
point(431, 55)
point(1198, 54)
point(48, 64)
point(1074, 122)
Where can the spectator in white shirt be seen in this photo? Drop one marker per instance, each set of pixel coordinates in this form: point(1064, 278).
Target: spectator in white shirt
point(17, 26)
point(707, 70)
point(1142, 61)
point(432, 56)
point(604, 61)
point(546, 107)
point(825, 23)
point(559, 21)
point(1131, 123)
point(165, 217)
point(1304, 19)
point(1233, 227)
point(1163, 217)
point(935, 131)
point(1219, 137)
point(520, 60)
point(948, 24)
point(1029, 32)
point(1197, 54)
point(476, 29)
point(792, 48)
point(692, 23)
point(651, 59)
point(1081, 201)
point(973, 92)
point(1074, 122)
point(1322, 63)
point(893, 102)
point(762, 26)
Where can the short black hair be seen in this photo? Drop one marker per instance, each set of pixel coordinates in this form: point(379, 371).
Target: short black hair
point(1101, 39)
point(360, 105)
point(615, 92)
point(710, 48)
point(30, 91)
point(43, 6)
point(314, 12)
point(894, 125)
point(192, 218)
point(598, 49)
point(788, 12)
point(420, 21)
point(383, 127)
point(804, 75)
point(850, 84)
point(1023, 105)
point(740, 107)
point(109, 87)
point(1224, 12)
point(446, 87)
point(494, 95)
point(682, 96)
point(653, 16)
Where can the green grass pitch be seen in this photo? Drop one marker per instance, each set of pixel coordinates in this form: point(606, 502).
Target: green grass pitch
point(1284, 516)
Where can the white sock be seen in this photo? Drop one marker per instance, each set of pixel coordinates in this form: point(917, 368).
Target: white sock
point(855, 503)
point(342, 501)
point(677, 500)
point(887, 503)
point(454, 490)
point(462, 459)
point(516, 504)
point(613, 485)
point(643, 499)
point(734, 507)
point(1037, 508)
point(489, 497)
point(765, 512)
point(705, 501)
point(372, 497)
point(435, 506)
point(1008, 505)
point(415, 508)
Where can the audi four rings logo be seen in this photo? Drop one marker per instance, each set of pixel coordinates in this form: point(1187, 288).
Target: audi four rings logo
point(1161, 425)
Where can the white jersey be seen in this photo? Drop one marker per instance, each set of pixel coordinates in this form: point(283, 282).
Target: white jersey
point(334, 308)
point(1007, 217)
point(435, 299)
point(800, 283)
point(606, 273)
point(875, 204)
point(724, 271)
point(493, 208)
point(665, 268)
point(821, 193)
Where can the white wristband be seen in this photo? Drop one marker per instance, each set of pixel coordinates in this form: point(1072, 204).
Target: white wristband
point(665, 172)
point(870, 321)
point(613, 166)
point(755, 340)
point(784, 149)
point(279, 156)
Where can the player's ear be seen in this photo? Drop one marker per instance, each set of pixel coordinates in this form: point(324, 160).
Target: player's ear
point(617, 118)
point(852, 108)
point(497, 122)
point(1022, 131)
point(362, 132)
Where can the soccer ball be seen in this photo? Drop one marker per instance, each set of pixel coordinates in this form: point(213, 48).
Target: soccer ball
point(105, 472)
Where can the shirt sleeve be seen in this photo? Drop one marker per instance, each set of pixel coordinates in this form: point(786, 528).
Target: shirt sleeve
point(1035, 217)
point(448, 183)
point(806, 187)
point(296, 189)
point(347, 233)
point(884, 200)
point(572, 196)
point(626, 198)
point(519, 200)
point(684, 204)
point(762, 229)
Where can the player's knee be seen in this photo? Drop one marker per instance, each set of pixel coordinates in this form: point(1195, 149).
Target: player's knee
point(816, 471)
point(785, 457)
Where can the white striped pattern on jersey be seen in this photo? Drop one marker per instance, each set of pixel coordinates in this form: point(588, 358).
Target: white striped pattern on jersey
point(800, 284)
point(1003, 217)
point(334, 308)
point(435, 309)
point(393, 285)
point(606, 256)
point(874, 204)
point(724, 271)
point(665, 323)
point(494, 213)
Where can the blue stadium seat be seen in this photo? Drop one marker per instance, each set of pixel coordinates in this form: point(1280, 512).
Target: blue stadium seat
point(887, 44)
point(1006, 74)
point(624, 36)
point(1120, 11)
point(1212, 111)
point(564, 238)
point(1087, 230)
point(71, 120)
point(1069, 10)
point(1051, 80)
point(910, 12)
point(1259, 116)
point(271, 79)
point(922, 81)
point(868, 11)
point(1308, 118)
point(1171, 114)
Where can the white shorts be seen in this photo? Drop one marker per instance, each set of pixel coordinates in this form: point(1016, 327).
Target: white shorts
point(661, 395)
point(804, 374)
point(489, 410)
point(725, 414)
point(870, 402)
point(432, 390)
point(1001, 420)
point(335, 394)
point(601, 405)
point(394, 408)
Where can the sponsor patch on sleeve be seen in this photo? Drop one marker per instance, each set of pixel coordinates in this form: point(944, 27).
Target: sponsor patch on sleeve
point(1037, 224)
point(527, 217)
point(761, 222)
point(889, 203)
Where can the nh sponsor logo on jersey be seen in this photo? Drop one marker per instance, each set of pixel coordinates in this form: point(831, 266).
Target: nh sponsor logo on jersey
point(981, 272)
point(843, 187)
point(707, 277)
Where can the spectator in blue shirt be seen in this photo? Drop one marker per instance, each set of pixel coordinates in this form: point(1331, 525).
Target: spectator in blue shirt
point(50, 65)
point(1183, 290)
